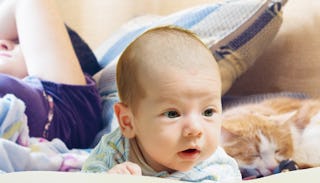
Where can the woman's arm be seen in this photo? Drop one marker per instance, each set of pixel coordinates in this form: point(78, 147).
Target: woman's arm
point(8, 28)
point(43, 38)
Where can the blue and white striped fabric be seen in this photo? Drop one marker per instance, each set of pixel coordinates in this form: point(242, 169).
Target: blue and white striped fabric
point(236, 31)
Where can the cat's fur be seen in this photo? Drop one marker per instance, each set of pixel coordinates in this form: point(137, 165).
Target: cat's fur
point(261, 135)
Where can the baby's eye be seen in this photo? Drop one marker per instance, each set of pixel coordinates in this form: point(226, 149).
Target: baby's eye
point(208, 112)
point(171, 114)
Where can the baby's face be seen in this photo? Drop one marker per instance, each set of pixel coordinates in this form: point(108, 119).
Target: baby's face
point(177, 124)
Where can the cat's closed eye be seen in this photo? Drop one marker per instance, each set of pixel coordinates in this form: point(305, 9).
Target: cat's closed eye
point(255, 156)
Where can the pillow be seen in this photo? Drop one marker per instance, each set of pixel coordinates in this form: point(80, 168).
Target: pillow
point(236, 31)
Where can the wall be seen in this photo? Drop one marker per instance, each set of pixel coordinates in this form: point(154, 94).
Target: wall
point(291, 63)
point(96, 20)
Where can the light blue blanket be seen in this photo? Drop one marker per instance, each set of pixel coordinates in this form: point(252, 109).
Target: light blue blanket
point(20, 152)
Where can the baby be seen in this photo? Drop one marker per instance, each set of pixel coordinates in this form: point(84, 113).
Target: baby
point(169, 112)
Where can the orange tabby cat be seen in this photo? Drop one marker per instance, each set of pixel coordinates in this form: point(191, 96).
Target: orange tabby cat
point(261, 135)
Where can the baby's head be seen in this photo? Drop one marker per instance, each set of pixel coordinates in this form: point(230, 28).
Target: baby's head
point(170, 91)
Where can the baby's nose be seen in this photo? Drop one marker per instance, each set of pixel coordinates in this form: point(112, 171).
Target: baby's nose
point(192, 128)
point(192, 132)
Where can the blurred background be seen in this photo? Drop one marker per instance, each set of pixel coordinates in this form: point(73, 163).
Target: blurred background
point(95, 20)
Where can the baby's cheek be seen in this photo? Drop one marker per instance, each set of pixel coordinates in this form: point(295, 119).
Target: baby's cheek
point(212, 140)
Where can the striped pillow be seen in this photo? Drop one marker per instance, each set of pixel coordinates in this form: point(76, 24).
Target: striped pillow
point(236, 31)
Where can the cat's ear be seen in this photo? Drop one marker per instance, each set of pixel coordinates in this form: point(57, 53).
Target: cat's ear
point(282, 118)
point(227, 136)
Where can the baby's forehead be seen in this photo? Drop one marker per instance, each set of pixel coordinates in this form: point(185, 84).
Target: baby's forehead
point(174, 74)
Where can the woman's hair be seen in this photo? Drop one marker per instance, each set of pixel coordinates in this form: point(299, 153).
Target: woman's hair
point(88, 61)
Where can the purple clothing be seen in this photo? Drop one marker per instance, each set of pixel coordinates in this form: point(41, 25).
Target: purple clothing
point(76, 108)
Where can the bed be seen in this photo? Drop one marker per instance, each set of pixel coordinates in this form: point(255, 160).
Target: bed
point(310, 175)
point(277, 57)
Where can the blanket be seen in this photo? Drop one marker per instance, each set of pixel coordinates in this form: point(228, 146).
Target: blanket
point(13, 121)
point(20, 152)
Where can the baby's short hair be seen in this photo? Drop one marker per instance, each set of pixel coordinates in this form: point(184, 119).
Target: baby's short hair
point(135, 56)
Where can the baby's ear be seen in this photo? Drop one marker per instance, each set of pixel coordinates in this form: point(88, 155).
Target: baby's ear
point(125, 119)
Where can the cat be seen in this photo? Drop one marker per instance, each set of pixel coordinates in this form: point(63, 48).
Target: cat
point(261, 135)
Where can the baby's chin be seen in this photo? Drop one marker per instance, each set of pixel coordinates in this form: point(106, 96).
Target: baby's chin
point(187, 160)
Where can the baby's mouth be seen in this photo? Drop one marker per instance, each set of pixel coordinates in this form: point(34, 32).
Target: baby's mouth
point(189, 153)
